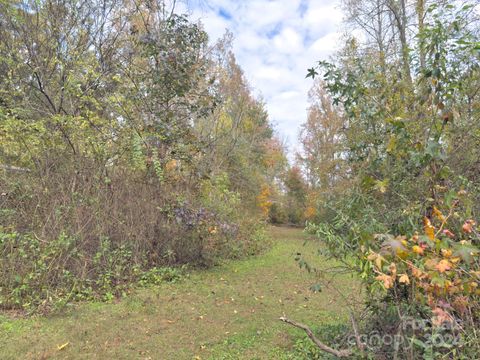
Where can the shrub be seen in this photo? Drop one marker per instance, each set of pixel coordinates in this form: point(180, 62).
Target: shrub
point(422, 287)
point(432, 277)
point(75, 235)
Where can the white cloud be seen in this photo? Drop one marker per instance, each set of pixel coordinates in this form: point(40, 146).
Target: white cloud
point(276, 41)
point(325, 45)
point(248, 40)
point(216, 26)
point(288, 41)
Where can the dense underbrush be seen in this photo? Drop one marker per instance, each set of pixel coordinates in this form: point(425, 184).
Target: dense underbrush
point(128, 143)
point(65, 239)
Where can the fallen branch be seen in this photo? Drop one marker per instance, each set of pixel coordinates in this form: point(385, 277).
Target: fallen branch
point(13, 168)
point(339, 353)
point(360, 345)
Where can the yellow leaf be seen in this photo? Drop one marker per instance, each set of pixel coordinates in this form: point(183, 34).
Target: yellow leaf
point(309, 212)
point(428, 228)
point(382, 185)
point(438, 214)
point(476, 273)
point(63, 346)
point(404, 279)
point(391, 144)
point(448, 285)
point(446, 253)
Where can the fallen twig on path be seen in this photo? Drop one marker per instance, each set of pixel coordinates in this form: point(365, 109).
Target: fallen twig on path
point(339, 353)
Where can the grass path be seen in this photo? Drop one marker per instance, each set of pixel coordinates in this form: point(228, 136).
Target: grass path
point(228, 312)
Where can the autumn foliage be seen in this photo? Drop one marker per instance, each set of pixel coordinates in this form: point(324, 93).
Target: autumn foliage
point(128, 142)
point(438, 266)
point(391, 150)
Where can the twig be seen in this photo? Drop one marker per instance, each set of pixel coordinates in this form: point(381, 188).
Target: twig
point(14, 168)
point(450, 213)
point(360, 345)
point(339, 353)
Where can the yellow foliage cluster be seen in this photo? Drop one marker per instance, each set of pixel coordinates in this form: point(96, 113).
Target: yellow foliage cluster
point(309, 212)
point(171, 165)
point(437, 267)
point(264, 201)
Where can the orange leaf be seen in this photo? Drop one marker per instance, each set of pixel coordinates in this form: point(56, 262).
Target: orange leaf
point(443, 265)
point(417, 250)
point(449, 234)
point(468, 226)
point(416, 272)
point(441, 316)
point(415, 238)
point(386, 279)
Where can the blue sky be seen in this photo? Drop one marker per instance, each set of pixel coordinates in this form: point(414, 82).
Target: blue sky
point(275, 42)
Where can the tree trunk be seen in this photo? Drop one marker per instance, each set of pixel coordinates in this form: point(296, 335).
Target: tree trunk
point(400, 14)
point(420, 17)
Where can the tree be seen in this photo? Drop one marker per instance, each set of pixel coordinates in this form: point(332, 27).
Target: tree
point(321, 138)
point(127, 142)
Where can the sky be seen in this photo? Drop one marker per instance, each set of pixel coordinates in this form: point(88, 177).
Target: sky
point(275, 42)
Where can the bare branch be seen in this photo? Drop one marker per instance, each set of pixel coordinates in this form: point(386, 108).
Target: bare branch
point(360, 345)
point(13, 168)
point(339, 353)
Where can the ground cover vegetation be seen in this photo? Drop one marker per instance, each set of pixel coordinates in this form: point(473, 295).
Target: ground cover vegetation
point(226, 312)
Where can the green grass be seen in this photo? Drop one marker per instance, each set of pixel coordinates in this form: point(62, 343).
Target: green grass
point(228, 312)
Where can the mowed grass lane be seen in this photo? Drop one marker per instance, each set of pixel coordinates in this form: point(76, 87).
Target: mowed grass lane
point(228, 312)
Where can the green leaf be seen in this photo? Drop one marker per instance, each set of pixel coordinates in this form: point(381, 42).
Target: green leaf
point(311, 73)
point(466, 252)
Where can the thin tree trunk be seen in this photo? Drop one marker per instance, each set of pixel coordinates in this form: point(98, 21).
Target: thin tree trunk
point(421, 25)
point(400, 15)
